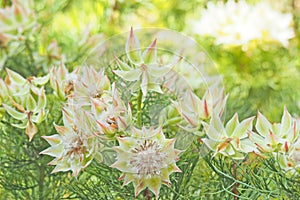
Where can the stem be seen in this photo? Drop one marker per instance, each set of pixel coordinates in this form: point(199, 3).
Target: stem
point(147, 194)
point(139, 108)
point(41, 182)
point(29, 51)
point(236, 185)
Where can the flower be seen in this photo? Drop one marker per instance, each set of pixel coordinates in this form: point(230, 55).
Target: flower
point(16, 22)
point(146, 158)
point(275, 137)
point(25, 100)
point(19, 86)
point(289, 160)
point(238, 23)
point(90, 85)
point(144, 68)
point(195, 110)
point(30, 111)
point(280, 140)
point(231, 140)
point(75, 145)
point(111, 113)
point(62, 81)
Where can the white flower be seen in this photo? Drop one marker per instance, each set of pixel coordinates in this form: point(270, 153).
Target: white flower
point(147, 159)
point(280, 140)
point(111, 113)
point(89, 85)
point(239, 23)
point(76, 145)
point(62, 81)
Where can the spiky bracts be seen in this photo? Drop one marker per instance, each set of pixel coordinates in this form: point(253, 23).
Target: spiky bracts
point(146, 158)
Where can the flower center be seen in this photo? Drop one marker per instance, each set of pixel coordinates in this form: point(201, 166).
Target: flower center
point(69, 87)
point(148, 158)
point(76, 146)
point(97, 94)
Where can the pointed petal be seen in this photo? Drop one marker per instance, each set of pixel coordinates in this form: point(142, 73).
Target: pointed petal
point(122, 65)
point(155, 87)
point(154, 184)
point(133, 49)
point(15, 77)
point(216, 128)
point(61, 129)
point(132, 75)
point(231, 124)
point(241, 129)
point(157, 71)
point(53, 139)
point(31, 130)
point(263, 126)
point(139, 186)
point(211, 144)
point(248, 146)
point(41, 80)
point(286, 122)
point(54, 151)
point(150, 54)
point(61, 167)
point(144, 84)
point(15, 114)
point(30, 103)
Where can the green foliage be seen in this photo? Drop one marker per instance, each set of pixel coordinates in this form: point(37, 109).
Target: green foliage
point(264, 78)
point(24, 172)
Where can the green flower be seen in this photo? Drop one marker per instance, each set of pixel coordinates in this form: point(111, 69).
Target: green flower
point(144, 68)
point(25, 100)
point(275, 137)
point(195, 110)
point(231, 140)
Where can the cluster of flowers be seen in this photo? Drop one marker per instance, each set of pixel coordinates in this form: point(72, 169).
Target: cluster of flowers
point(95, 114)
point(24, 99)
point(238, 23)
point(236, 139)
point(19, 28)
point(16, 23)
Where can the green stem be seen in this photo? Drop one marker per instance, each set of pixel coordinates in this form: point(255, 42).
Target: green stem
point(139, 108)
point(41, 182)
point(30, 52)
